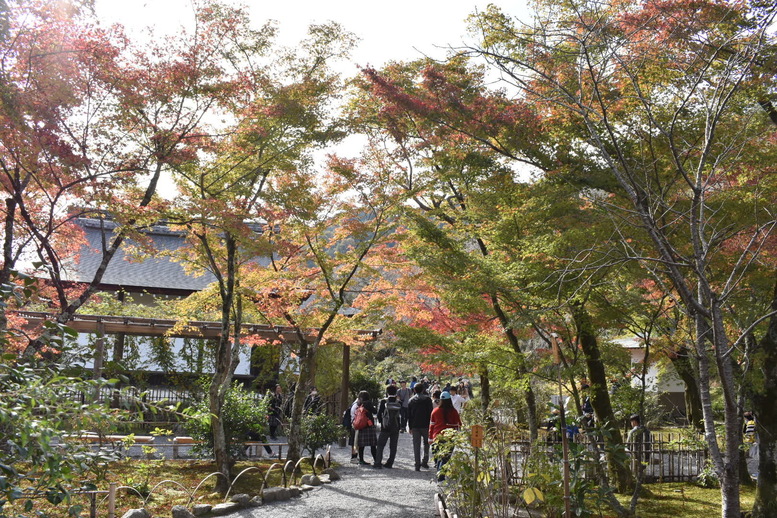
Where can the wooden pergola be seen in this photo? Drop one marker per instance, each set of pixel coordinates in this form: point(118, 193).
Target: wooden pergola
point(103, 325)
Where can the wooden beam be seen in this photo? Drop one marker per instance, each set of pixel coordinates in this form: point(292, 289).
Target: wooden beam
point(165, 327)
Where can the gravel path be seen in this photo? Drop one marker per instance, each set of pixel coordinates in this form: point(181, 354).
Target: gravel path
point(400, 492)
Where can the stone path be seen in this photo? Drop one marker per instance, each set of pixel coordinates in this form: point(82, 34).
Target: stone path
point(399, 492)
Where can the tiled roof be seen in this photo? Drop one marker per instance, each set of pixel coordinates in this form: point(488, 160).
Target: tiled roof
point(158, 272)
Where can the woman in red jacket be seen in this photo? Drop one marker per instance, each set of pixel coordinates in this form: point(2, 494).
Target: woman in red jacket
point(443, 417)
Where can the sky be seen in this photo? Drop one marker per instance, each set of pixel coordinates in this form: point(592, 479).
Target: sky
point(397, 30)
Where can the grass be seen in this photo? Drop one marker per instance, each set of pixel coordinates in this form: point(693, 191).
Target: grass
point(683, 500)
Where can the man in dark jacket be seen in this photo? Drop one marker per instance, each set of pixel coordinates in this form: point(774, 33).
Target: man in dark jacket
point(389, 417)
point(419, 413)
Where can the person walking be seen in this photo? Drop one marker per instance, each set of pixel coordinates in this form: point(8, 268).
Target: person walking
point(419, 413)
point(312, 404)
point(750, 435)
point(276, 411)
point(436, 397)
point(443, 417)
point(456, 399)
point(638, 443)
point(403, 394)
point(389, 417)
point(367, 434)
point(350, 415)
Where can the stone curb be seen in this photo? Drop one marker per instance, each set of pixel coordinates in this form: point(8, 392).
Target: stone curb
point(245, 501)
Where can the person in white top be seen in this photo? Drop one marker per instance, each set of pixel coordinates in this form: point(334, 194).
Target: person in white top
point(464, 393)
point(456, 399)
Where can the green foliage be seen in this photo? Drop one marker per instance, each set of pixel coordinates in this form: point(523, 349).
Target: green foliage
point(626, 399)
point(329, 368)
point(244, 416)
point(360, 380)
point(480, 484)
point(587, 497)
point(707, 477)
point(40, 411)
point(319, 430)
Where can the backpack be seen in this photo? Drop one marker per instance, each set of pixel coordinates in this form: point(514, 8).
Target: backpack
point(362, 419)
point(346, 421)
point(390, 419)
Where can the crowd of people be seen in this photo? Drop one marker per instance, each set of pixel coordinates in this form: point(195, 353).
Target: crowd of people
point(420, 407)
point(423, 409)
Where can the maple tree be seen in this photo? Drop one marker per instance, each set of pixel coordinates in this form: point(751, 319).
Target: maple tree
point(258, 216)
point(477, 218)
point(446, 170)
point(91, 124)
point(332, 243)
point(657, 149)
point(656, 102)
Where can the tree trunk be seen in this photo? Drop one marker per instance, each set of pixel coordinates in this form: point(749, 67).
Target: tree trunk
point(221, 455)
point(8, 258)
point(301, 389)
point(600, 398)
point(226, 359)
point(528, 393)
point(765, 408)
point(119, 343)
point(729, 482)
point(683, 366)
point(485, 391)
point(345, 383)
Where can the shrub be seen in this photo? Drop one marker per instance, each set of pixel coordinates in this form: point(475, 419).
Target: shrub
point(244, 415)
point(319, 430)
point(362, 381)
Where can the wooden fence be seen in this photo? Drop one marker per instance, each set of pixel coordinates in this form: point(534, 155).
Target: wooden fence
point(666, 458)
point(142, 399)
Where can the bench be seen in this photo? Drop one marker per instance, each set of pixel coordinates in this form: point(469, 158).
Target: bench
point(255, 449)
point(252, 448)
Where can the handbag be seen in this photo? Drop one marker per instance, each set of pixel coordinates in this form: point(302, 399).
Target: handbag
point(362, 419)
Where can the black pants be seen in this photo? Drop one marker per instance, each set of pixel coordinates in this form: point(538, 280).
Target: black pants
point(392, 437)
point(373, 452)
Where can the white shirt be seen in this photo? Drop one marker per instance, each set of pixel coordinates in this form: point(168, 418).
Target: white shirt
point(458, 402)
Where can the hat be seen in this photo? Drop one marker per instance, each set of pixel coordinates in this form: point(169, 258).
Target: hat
point(445, 395)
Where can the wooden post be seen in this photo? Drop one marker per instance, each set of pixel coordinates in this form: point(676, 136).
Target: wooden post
point(476, 440)
point(99, 353)
point(345, 401)
point(564, 439)
point(112, 500)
